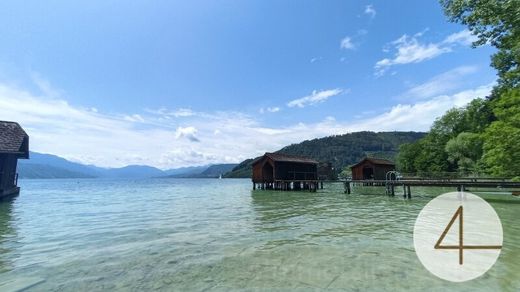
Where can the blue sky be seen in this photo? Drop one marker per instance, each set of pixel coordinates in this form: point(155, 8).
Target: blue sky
point(177, 83)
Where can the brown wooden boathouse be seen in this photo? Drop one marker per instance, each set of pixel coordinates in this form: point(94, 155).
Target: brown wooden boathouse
point(371, 168)
point(277, 171)
point(14, 144)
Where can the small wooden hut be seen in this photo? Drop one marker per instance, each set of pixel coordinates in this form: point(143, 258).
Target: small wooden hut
point(14, 144)
point(285, 172)
point(326, 171)
point(371, 168)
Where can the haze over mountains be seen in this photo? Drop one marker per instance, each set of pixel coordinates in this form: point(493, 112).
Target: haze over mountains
point(51, 166)
point(340, 150)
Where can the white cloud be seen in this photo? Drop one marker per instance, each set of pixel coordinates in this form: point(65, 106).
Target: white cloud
point(314, 98)
point(464, 37)
point(410, 50)
point(183, 112)
point(346, 43)
point(273, 109)
point(316, 59)
point(419, 116)
point(188, 133)
point(440, 84)
point(369, 10)
point(110, 140)
point(134, 118)
point(169, 114)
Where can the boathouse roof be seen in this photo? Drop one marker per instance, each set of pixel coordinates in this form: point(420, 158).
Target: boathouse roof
point(279, 157)
point(13, 139)
point(375, 161)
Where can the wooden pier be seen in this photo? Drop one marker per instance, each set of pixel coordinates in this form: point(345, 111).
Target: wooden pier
point(458, 184)
point(290, 185)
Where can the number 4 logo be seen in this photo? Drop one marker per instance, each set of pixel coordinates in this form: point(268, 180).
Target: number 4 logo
point(461, 247)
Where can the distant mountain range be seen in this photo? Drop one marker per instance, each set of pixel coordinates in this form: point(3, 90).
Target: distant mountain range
point(51, 166)
point(342, 150)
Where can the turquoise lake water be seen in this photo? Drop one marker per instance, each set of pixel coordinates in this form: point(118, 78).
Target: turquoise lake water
point(209, 234)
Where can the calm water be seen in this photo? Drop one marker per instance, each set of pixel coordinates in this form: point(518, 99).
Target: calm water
point(195, 234)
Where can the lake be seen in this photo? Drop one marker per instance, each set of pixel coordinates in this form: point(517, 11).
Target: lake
point(198, 234)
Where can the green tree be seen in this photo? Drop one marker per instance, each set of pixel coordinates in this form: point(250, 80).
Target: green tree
point(432, 154)
point(478, 114)
point(449, 125)
point(502, 137)
point(465, 151)
point(495, 22)
point(406, 157)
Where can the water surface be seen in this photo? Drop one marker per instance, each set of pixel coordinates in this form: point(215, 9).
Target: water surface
point(198, 234)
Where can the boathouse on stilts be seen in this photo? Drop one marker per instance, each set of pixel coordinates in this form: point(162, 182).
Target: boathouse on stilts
point(275, 171)
point(372, 169)
point(14, 144)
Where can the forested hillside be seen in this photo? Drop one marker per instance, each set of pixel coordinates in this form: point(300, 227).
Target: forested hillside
point(342, 150)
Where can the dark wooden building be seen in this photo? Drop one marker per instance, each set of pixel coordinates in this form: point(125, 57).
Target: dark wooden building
point(371, 168)
point(285, 172)
point(326, 171)
point(14, 144)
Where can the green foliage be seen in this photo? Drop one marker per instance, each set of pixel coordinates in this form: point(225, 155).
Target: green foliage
point(502, 137)
point(243, 169)
point(453, 144)
point(342, 150)
point(507, 107)
point(465, 151)
point(478, 114)
point(495, 22)
point(345, 172)
point(406, 157)
point(502, 150)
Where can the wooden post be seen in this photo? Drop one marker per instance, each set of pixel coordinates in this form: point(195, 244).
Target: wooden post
point(254, 186)
point(409, 192)
point(347, 187)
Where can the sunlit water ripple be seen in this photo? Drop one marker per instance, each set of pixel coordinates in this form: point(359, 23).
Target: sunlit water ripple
point(198, 234)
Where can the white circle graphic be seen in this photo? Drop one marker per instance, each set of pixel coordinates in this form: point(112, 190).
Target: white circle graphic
point(458, 236)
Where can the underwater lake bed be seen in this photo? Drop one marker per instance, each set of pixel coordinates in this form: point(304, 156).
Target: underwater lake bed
point(199, 234)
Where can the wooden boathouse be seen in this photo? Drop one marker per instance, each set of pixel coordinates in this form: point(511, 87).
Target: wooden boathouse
point(275, 171)
point(372, 169)
point(14, 144)
point(373, 172)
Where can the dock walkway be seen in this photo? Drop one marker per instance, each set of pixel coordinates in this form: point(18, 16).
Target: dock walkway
point(459, 184)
